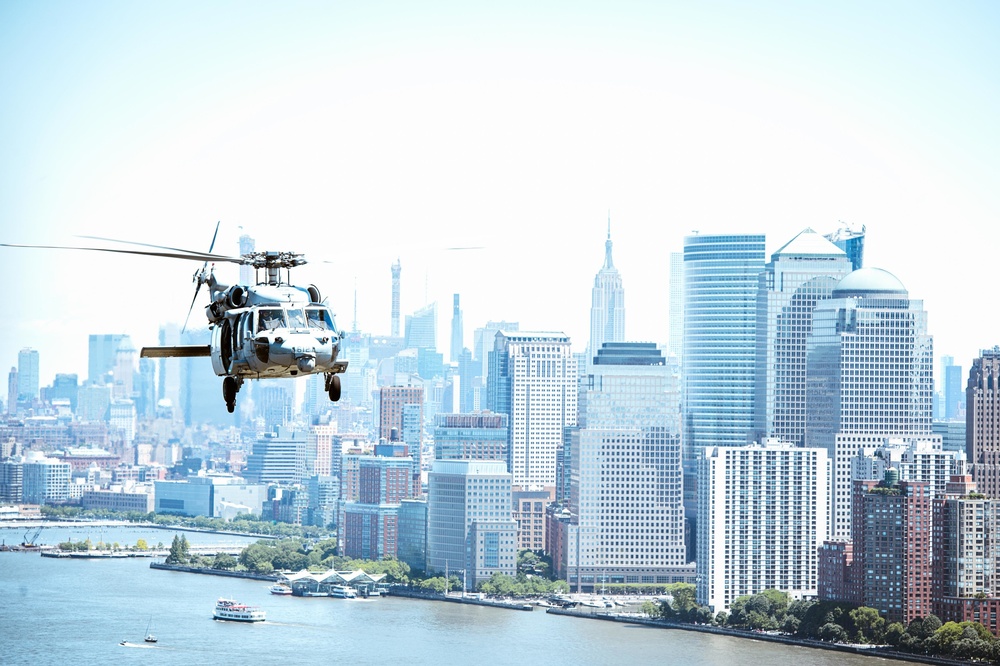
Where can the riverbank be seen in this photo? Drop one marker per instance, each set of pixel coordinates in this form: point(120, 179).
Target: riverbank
point(865, 651)
point(213, 572)
point(476, 600)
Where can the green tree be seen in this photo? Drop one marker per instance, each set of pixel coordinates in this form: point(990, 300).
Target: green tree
point(176, 554)
point(141, 544)
point(833, 633)
point(869, 625)
point(894, 632)
point(436, 584)
point(224, 561)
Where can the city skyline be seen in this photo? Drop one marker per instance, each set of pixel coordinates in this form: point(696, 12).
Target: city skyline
point(509, 129)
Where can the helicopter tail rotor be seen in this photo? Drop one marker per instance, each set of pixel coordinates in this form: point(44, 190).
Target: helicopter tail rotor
point(199, 277)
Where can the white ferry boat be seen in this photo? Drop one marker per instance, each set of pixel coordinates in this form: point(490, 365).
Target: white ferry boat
point(278, 588)
point(343, 592)
point(228, 609)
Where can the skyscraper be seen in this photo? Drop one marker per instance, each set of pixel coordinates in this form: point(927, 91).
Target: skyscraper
point(870, 374)
point(627, 517)
point(401, 419)
point(607, 304)
point(982, 430)
point(12, 391)
point(396, 271)
point(952, 388)
point(965, 558)
point(533, 380)
point(892, 547)
point(720, 326)
point(102, 356)
point(421, 328)
point(852, 242)
point(804, 271)
point(27, 374)
point(675, 314)
point(457, 339)
point(246, 271)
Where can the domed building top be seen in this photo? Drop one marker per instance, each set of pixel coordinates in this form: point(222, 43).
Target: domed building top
point(869, 282)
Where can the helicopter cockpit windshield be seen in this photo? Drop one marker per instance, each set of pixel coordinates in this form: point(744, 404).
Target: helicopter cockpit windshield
point(296, 319)
point(319, 318)
point(270, 318)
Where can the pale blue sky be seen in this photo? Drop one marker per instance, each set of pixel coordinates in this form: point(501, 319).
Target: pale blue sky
point(363, 132)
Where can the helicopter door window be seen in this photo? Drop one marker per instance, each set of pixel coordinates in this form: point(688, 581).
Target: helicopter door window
point(319, 318)
point(270, 319)
point(296, 319)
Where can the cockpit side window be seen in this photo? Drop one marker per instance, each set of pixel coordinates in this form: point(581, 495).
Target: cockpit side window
point(270, 318)
point(319, 318)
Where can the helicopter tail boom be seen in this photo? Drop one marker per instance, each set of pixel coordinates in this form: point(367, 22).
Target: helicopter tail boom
point(178, 351)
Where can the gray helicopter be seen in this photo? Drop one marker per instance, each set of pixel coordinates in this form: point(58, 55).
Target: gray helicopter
point(270, 329)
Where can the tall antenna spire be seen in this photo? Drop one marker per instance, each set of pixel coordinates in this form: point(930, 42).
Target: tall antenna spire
point(355, 304)
point(607, 246)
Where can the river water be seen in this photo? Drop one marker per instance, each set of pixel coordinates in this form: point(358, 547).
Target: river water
point(78, 611)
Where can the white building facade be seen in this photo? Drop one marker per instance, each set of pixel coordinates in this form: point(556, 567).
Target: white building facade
point(762, 514)
point(627, 514)
point(533, 379)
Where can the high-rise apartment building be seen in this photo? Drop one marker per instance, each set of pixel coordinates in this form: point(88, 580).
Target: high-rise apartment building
point(982, 427)
point(45, 480)
point(533, 380)
point(800, 274)
point(607, 304)
point(369, 518)
point(401, 418)
point(470, 529)
point(721, 275)
point(627, 515)
point(892, 547)
point(966, 557)
point(27, 375)
point(870, 374)
point(762, 515)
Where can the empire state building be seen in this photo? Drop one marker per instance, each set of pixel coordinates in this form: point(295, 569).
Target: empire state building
point(607, 309)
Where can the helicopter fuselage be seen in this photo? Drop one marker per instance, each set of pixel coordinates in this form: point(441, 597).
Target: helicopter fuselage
point(273, 331)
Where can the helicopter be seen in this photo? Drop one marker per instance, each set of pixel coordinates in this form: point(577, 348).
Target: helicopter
point(267, 330)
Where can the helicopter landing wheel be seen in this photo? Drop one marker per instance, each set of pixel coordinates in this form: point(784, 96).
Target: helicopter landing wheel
point(229, 389)
point(334, 388)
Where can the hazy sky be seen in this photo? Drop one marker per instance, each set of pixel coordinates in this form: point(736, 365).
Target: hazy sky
point(359, 133)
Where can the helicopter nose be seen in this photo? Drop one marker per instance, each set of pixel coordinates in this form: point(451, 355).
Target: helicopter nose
point(306, 363)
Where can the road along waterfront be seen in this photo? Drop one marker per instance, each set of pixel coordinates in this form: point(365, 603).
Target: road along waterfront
point(80, 610)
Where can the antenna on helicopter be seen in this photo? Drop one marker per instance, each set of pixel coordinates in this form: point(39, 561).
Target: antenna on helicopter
point(199, 277)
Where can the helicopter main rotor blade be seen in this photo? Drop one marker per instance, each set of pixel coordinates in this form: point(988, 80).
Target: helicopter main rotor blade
point(196, 254)
point(179, 254)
